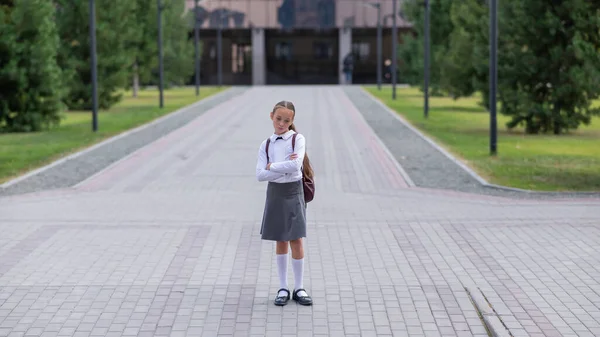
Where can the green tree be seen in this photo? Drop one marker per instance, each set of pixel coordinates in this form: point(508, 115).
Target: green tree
point(8, 62)
point(30, 78)
point(550, 65)
point(145, 45)
point(411, 51)
point(464, 67)
point(116, 28)
point(178, 48)
point(548, 60)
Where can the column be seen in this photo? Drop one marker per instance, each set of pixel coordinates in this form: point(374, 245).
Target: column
point(259, 60)
point(345, 38)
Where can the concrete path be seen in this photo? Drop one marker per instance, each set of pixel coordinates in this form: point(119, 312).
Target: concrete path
point(165, 242)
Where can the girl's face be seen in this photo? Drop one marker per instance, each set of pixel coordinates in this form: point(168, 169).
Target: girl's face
point(282, 119)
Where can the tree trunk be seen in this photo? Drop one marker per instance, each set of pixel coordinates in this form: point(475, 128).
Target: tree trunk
point(557, 119)
point(136, 80)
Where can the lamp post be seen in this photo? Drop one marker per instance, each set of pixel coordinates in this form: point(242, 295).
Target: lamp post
point(493, 77)
point(196, 53)
point(394, 47)
point(377, 5)
point(427, 56)
point(427, 59)
point(219, 52)
point(160, 53)
point(94, 65)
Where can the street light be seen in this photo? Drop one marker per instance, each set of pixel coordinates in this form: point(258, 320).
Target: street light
point(219, 52)
point(394, 47)
point(377, 5)
point(427, 59)
point(493, 74)
point(94, 65)
point(196, 57)
point(196, 42)
point(160, 53)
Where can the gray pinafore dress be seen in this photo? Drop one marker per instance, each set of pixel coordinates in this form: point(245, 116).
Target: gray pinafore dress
point(284, 217)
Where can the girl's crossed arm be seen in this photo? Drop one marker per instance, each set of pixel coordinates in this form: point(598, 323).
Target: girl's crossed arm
point(293, 165)
point(262, 174)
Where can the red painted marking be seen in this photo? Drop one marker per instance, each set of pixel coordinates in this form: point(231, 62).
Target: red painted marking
point(391, 172)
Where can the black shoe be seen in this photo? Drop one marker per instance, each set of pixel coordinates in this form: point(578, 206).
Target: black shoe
point(304, 300)
point(282, 300)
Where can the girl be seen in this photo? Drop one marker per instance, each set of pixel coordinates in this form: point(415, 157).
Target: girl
point(284, 217)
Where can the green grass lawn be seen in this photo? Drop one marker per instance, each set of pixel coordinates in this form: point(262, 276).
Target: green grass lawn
point(569, 162)
point(20, 153)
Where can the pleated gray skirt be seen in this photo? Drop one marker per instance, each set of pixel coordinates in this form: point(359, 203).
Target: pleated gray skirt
point(284, 217)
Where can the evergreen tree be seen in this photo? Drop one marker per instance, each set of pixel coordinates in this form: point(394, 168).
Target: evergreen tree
point(178, 48)
point(30, 78)
point(411, 51)
point(465, 67)
point(9, 83)
point(548, 60)
point(550, 65)
point(145, 45)
point(116, 29)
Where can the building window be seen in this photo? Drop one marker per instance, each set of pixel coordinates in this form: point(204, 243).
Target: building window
point(361, 50)
point(212, 54)
point(322, 50)
point(283, 51)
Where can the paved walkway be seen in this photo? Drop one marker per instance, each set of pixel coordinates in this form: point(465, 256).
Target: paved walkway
point(165, 242)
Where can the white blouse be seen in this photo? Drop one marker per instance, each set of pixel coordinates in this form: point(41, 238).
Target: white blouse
point(282, 170)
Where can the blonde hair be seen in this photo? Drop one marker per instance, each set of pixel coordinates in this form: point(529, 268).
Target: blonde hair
point(307, 170)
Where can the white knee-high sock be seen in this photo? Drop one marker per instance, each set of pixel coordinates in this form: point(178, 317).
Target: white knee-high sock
point(298, 266)
point(282, 262)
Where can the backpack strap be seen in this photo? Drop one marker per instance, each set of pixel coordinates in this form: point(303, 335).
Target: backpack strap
point(294, 141)
point(294, 145)
point(267, 148)
point(269, 141)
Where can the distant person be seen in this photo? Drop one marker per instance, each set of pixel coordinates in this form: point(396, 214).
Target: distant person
point(348, 67)
point(388, 70)
point(285, 165)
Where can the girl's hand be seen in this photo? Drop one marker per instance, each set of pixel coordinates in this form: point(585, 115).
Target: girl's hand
point(268, 166)
point(293, 156)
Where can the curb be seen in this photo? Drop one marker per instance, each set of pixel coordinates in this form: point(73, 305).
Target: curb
point(490, 318)
point(112, 139)
point(458, 162)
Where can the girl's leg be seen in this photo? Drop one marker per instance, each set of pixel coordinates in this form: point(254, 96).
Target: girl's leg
point(298, 266)
point(282, 247)
point(282, 261)
point(297, 249)
point(298, 263)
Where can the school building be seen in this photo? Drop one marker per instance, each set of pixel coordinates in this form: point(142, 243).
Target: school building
point(293, 41)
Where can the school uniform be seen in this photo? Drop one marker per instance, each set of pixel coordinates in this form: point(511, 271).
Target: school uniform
point(284, 216)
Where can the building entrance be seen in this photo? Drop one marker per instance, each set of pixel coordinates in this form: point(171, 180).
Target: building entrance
point(236, 57)
point(302, 56)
